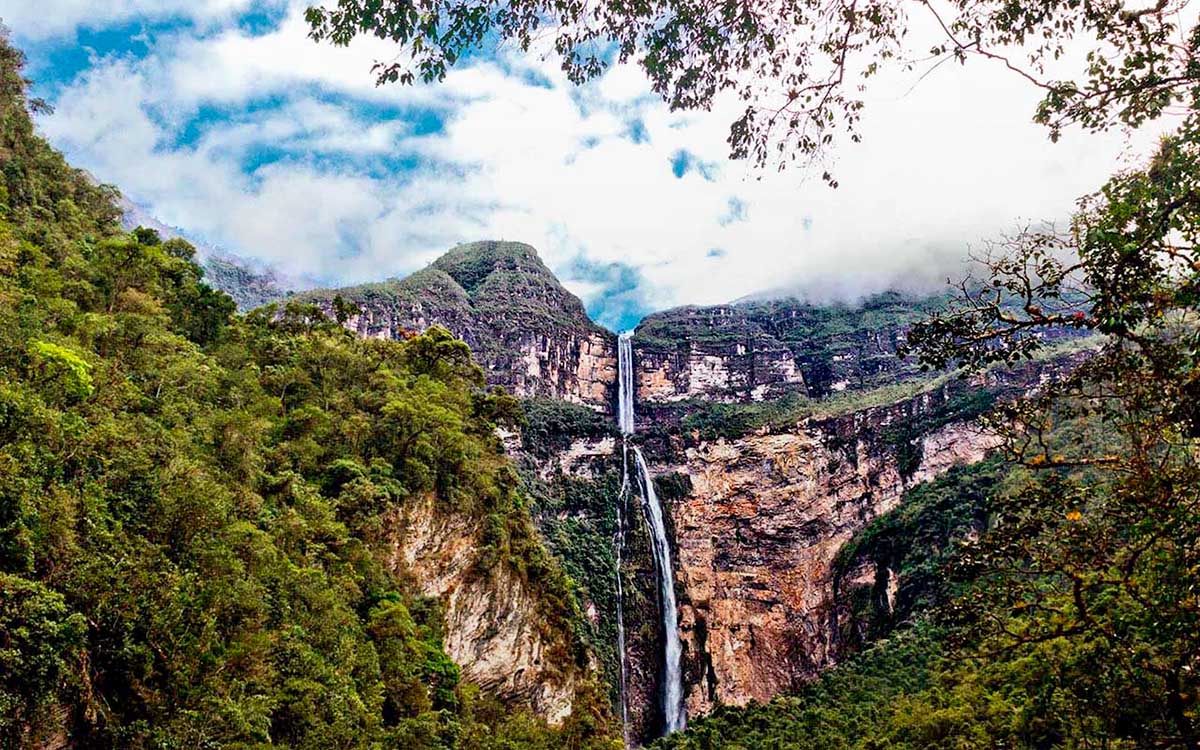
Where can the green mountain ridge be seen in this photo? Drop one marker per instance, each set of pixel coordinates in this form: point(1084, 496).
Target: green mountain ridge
point(200, 512)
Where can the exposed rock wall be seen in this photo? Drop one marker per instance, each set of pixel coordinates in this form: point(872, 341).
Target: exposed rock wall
point(751, 351)
point(758, 534)
point(710, 353)
point(529, 334)
point(492, 628)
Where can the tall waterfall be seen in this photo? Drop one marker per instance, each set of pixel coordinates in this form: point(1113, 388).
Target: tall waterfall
point(620, 545)
point(625, 382)
point(672, 677)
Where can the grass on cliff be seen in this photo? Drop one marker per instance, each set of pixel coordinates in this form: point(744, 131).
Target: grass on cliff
point(711, 420)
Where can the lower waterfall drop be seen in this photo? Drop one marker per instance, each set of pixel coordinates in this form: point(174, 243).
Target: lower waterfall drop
point(619, 542)
point(674, 716)
point(673, 713)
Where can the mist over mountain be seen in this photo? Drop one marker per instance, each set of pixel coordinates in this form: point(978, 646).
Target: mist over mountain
point(251, 283)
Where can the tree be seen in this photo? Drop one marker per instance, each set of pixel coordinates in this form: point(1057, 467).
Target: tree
point(800, 66)
point(1094, 562)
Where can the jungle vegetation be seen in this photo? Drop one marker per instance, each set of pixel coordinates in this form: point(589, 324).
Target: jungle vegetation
point(194, 547)
point(1078, 621)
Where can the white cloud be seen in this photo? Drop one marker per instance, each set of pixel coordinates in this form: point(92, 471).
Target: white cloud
point(39, 19)
point(954, 162)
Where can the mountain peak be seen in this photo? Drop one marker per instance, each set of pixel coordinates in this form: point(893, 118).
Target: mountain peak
point(471, 264)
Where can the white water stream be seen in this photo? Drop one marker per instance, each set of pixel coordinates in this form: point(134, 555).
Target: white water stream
point(674, 717)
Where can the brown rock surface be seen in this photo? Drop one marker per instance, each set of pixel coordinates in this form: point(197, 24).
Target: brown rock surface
point(492, 630)
point(756, 540)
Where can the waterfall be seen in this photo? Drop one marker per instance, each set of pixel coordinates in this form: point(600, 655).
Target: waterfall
point(672, 690)
point(620, 545)
point(672, 678)
point(625, 382)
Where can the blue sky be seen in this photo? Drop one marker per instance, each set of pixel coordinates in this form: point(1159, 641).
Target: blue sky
point(222, 118)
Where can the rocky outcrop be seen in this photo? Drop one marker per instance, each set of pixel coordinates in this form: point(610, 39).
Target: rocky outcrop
point(492, 627)
point(711, 354)
point(758, 534)
point(840, 346)
point(758, 350)
point(529, 334)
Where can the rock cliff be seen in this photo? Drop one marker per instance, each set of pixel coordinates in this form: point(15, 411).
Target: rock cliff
point(758, 534)
point(492, 628)
point(530, 334)
point(755, 351)
point(711, 353)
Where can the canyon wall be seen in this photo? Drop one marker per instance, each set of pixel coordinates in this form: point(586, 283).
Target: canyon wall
point(757, 522)
point(493, 630)
point(759, 350)
point(711, 354)
point(758, 534)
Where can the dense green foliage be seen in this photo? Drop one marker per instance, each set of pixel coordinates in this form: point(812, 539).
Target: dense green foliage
point(799, 67)
point(550, 425)
point(577, 518)
point(848, 707)
point(195, 548)
point(708, 420)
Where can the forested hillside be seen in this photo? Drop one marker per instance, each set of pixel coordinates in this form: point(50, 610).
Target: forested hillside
point(195, 547)
point(1049, 601)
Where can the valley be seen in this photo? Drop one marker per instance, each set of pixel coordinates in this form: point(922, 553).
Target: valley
point(774, 432)
point(452, 511)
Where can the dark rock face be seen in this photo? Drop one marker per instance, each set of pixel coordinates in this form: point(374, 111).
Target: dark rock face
point(755, 351)
point(530, 334)
point(249, 286)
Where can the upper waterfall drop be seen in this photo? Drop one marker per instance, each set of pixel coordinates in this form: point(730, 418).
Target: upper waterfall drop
point(625, 389)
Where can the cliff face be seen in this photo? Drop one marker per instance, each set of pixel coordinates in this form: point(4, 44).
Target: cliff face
point(758, 534)
point(757, 523)
point(712, 354)
point(492, 627)
point(530, 335)
point(755, 351)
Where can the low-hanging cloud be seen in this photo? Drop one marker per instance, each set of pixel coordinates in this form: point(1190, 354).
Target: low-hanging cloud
point(283, 150)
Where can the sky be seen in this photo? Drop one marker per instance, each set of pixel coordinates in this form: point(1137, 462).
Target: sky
point(222, 118)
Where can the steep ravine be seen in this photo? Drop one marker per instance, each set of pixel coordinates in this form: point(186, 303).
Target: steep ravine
point(754, 519)
point(758, 534)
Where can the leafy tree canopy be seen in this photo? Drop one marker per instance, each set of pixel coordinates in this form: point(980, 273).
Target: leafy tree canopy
point(800, 66)
point(198, 509)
